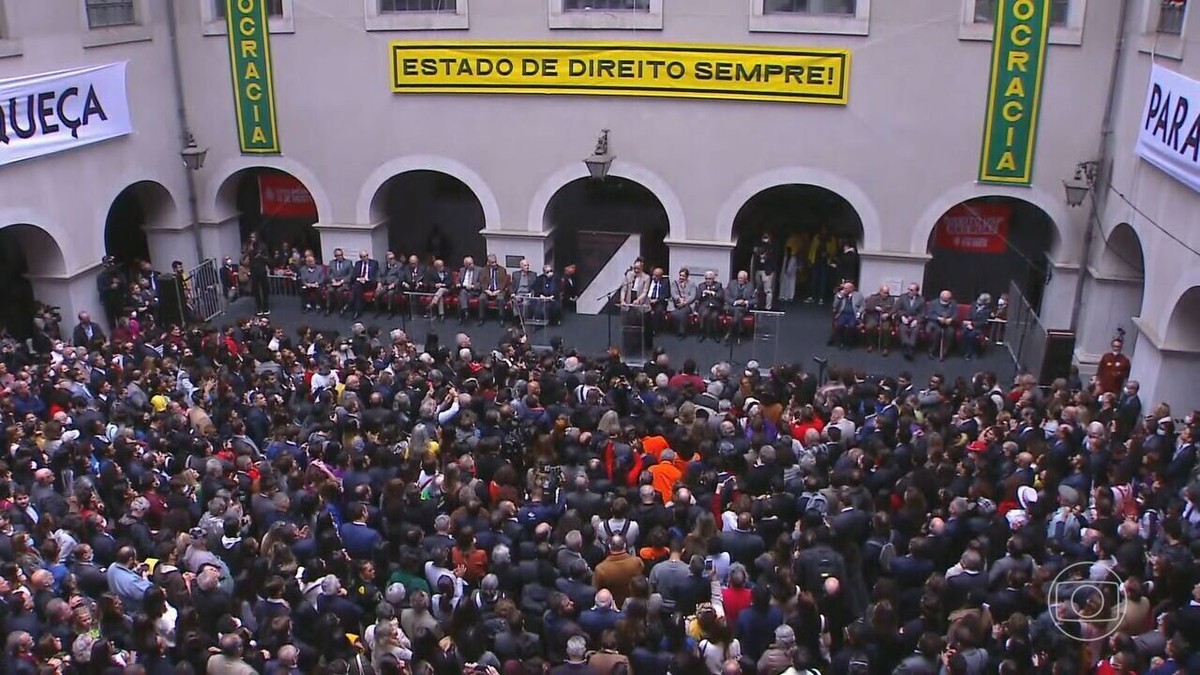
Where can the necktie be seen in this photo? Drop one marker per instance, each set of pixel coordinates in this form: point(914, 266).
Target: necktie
point(654, 291)
point(493, 286)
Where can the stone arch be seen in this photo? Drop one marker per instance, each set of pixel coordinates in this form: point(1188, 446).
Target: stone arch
point(43, 255)
point(677, 224)
point(368, 209)
point(43, 235)
point(1055, 209)
point(801, 175)
point(140, 206)
point(218, 197)
point(1182, 330)
point(1122, 252)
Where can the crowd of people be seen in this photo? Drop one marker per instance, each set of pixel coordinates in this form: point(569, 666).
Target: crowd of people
point(246, 499)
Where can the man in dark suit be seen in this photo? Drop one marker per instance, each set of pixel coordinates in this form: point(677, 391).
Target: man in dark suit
point(658, 295)
point(366, 277)
point(711, 299)
point(743, 544)
point(340, 275)
point(493, 287)
point(438, 281)
point(358, 538)
point(86, 333)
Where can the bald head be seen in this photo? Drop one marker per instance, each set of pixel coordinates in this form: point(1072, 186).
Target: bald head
point(604, 599)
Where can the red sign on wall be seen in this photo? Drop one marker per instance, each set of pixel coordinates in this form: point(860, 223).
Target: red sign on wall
point(283, 196)
point(974, 228)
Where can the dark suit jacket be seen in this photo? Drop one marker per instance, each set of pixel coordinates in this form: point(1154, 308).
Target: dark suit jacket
point(359, 540)
point(485, 278)
point(548, 286)
point(743, 547)
point(372, 271)
point(79, 337)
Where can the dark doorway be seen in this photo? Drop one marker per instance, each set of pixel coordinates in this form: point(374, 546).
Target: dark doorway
point(435, 216)
point(280, 208)
point(124, 229)
point(984, 245)
point(25, 250)
point(588, 217)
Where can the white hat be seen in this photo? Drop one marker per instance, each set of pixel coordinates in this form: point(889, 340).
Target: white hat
point(1027, 496)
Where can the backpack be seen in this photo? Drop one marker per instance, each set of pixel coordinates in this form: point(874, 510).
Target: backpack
point(825, 563)
point(608, 533)
point(813, 501)
point(880, 553)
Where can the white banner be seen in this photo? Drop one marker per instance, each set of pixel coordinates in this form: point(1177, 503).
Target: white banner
point(1169, 136)
point(52, 112)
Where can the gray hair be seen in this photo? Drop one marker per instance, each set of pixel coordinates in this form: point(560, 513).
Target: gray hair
point(501, 555)
point(576, 648)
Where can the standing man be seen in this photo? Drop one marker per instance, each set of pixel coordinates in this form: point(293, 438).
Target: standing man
point(635, 288)
point(313, 278)
point(112, 287)
point(522, 287)
point(910, 307)
point(740, 298)
point(366, 278)
point(438, 282)
point(389, 283)
point(340, 274)
point(764, 263)
point(683, 300)
point(469, 283)
point(877, 317)
point(86, 333)
point(848, 307)
point(260, 269)
point(1113, 369)
point(495, 288)
point(712, 300)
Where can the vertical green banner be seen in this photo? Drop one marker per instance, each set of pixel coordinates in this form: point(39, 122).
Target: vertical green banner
point(1015, 92)
point(253, 87)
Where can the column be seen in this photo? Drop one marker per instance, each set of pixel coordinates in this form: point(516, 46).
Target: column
point(1165, 373)
point(897, 269)
point(168, 244)
point(222, 238)
point(701, 256)
point(1109, 302)
point(1058, 298)
point(511, 246)
point(352, 238)
point(72, 293)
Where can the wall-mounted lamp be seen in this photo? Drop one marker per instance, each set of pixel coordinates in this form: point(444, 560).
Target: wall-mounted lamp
point(601, 160)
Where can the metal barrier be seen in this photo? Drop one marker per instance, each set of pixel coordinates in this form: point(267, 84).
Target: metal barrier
point(202, 291)
point(1024, 335)
point(283, 284)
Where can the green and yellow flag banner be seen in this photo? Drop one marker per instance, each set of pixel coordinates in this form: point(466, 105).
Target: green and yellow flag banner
point(253, 87)
point(1015, 92)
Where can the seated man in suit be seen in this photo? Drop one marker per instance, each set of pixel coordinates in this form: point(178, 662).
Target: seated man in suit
point(438, 281)
point(337, 292)
point(389, 284)
point(683, 300)
point(740, 299)
point(495, 288)
point(940, 324)
point(366, 278)
point(522, 290)
point(976, 325)
point(469, 279)
point(878, 317)
point(847, 313)
point(313, 278)
point(711, 299)
point(658, 296)
point(548, 289)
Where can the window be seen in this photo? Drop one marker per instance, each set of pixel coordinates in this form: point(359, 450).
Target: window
point(416, 14)
point(836, 17)
point(1170, 17)
point(985, 11)
point(108, 13)
point(274, 8)
point(606, 5)
point(836, 7)
point(448, 6)
point(1066, 20)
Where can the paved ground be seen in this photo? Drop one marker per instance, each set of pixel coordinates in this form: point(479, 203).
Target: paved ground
point(804, 330)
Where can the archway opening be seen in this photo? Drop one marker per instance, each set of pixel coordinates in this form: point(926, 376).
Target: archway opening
point(1123, 253)
point(1183, 329)
point(432, 215)
point(806, 220)
point(140, 205)
point(25, 250)
point(986, 244)
point(592, 218)
point(279, 207)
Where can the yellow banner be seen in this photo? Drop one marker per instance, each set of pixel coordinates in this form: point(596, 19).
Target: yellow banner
point(620, 69)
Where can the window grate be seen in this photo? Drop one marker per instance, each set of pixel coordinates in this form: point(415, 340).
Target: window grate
point(1170, 17)
point(985, 11)
point(821, 7)
point(106, 13)
point(447, 6)
point(274, 8)
point(606, 5)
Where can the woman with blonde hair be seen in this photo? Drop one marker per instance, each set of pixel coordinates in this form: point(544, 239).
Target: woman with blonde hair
point(390, 641)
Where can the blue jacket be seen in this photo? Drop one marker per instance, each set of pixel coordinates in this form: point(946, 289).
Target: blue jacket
point(128, 585)
point(359, 540)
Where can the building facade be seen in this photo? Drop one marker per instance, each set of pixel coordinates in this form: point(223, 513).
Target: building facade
point(695, 178)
